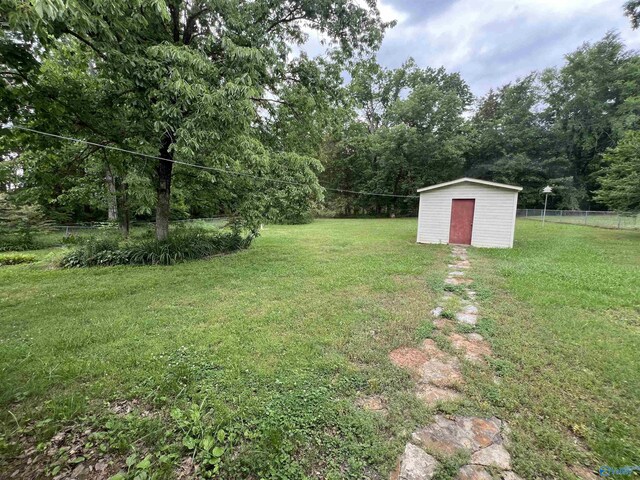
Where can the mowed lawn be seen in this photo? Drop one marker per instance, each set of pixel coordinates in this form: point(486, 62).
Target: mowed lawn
point(254, 364)
point(273, 345)
point(564, 309)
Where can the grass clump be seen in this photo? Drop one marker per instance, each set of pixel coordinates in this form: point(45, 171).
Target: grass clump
point(425, 330)
point(16, 258)
point(183, 244)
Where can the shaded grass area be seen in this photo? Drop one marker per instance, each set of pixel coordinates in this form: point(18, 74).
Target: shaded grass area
point(564, 320)
point(250, 363)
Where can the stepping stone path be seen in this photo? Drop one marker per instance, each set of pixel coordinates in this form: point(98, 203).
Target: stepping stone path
point(438, 375)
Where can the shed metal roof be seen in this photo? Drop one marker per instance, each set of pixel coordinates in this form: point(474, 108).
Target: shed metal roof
point(471, 180)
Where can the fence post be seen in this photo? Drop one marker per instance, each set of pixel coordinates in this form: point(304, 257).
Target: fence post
point(586, 214)
point(619, 218)
point(526, 212)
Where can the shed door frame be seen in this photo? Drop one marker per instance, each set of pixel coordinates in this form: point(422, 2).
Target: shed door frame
point(461, 221)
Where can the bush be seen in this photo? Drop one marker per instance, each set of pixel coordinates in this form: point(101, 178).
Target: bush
point(18, 224)
point(187, 243)
point(16, 258)
point(299, 218)
point(17, 242)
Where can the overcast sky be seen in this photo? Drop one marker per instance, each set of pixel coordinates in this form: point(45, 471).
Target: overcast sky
point(492, 42)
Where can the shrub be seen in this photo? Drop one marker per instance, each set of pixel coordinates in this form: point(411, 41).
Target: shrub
point(300, 218)
point(18, 223)
point(186, 243)
point(16, 258)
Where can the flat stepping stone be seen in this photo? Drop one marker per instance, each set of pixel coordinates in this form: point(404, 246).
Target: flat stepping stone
point(373, 403)
point(447, 436)
point(474, 349)
point(509, 475)
point(432, 395)
point(456, 273)
point(415, 464)
point(458, 266)
point(468, 318)
point(457, 281)
point(470, 309)
point(468, 314)
point(409, 358)
point(442, 372)
point(493, 456)
point(473, 472)
point(436, 312)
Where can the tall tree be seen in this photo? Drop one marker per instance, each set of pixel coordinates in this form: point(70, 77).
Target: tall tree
point(584, 97)
point(183, 78)
point(620, 180)
point(632, 10)
point(405, 132)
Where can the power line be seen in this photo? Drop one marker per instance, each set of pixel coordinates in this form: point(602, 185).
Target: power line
point(202, 167)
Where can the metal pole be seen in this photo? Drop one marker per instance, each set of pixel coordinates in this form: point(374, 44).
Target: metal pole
point(544, 212)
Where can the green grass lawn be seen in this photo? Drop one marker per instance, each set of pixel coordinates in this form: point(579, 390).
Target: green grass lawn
point(252, 363)
point(593, 219)
point(564, 312)
point(274, 344)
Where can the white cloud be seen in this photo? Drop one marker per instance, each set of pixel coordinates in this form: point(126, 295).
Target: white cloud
point(388, 13)
point(492, 42)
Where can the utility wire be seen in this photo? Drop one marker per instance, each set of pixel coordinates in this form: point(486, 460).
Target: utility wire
point(203, 167)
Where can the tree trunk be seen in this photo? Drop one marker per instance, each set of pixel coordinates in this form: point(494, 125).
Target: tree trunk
point(163, 189)
point(112, 200)
point(123, 209)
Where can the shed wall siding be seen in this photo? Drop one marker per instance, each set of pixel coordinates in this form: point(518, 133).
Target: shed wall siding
point(494, 216)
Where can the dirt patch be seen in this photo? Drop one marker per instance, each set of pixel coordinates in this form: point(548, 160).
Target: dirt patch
point(409, 358)
point(373, 403)
point(70, 454)
point(583, 472)
point(186, 470)
point(443, 323)
point(430, 347)
point(125, 407)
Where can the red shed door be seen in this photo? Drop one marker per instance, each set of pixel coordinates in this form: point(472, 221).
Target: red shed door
point(461, 221)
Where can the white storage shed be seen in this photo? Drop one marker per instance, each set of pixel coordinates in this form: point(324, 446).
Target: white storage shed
point(468, 211)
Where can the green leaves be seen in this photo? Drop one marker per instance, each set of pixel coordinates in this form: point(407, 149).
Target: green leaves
point(139, 75)
point(207, 447)
point(620, 178)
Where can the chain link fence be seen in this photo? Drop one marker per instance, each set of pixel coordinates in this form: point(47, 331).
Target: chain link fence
point(81, 228)
point(592, 218)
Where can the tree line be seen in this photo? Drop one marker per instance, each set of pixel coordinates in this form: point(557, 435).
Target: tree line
point(573, 127)
point(220, 86)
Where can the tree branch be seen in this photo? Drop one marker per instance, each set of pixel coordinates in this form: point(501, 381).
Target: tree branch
point(86, 42)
